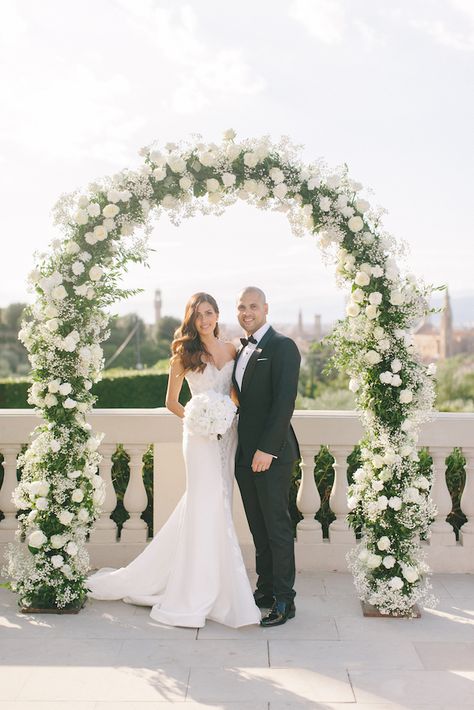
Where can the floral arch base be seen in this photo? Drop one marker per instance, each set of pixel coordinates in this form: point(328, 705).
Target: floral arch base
point(105, 228)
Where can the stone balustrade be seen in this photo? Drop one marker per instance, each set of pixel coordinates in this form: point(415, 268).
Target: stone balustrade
point(136, 429)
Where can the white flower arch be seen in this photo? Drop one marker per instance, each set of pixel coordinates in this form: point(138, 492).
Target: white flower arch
point(60, 492)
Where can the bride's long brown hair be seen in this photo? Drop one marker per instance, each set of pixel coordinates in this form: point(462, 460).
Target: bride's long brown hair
point(187, 346)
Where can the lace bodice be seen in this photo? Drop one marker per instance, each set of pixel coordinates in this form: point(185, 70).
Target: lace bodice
point(211, 379)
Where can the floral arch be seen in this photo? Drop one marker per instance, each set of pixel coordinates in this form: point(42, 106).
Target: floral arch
point(60, 492)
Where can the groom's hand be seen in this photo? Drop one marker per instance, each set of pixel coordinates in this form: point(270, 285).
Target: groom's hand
point(261, 461)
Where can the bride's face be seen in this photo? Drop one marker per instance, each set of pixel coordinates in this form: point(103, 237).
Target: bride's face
point(205, 319)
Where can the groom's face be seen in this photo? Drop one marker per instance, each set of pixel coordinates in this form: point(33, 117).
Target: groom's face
point(251, 311)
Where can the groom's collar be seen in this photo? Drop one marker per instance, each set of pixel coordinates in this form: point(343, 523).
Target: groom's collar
point(258, 335)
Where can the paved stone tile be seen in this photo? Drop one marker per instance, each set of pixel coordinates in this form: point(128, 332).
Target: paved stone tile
point(423, 687)
point(214, 653)
point(106, 684)
point(188, 705)
point(370, 655)
point(12, 680)
point(59, 652)
point(303, 626)
point(269, 684)
point(438, 655)
point(26, 705)
point(458, 585)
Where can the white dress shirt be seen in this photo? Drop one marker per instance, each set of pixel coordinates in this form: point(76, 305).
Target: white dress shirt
point(247, 352)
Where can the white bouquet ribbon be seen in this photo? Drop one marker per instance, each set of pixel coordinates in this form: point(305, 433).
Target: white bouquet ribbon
point(209, 414)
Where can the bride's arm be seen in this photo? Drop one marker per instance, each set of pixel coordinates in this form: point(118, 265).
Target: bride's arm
point(175, 382)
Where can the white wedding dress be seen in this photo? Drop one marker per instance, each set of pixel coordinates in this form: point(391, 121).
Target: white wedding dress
point(193, 569)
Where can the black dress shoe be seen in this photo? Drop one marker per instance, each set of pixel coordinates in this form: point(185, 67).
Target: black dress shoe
point(263, 601)
point(280, 613)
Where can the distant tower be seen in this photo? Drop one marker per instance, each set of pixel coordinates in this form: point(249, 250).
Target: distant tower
point(317, 328)
point(300, 324)
point(446, 330)
point(158, 304)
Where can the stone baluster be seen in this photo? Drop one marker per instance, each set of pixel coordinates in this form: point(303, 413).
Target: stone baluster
point(339, 530)
point(9, 524)
point(466, 535)
point(135, 499)
point(442, 532)
point(105, 529)
point(308, 499)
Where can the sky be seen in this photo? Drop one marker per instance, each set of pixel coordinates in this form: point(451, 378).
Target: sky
point(384, 86)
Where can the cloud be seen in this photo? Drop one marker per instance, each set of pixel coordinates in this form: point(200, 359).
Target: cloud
point(323, 19)
point(458, 33)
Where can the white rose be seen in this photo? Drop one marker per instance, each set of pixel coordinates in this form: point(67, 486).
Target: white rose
point(90, 238)
point(177, 164)
point(396, 381)
point(72, 549)
point(159, 174)
point(212, 185)
point(325, 204)
point(406, 396)
point(410, 573)
point(355, 224)
point(65, 388)
point(185, 182)
point(77, 268)
point(250, 159)
point(69, 403)
point(374, 561)
point(347, 211)
point(57, 541)
point(395, 503)
point(383, 543)
point(396, 365)
point(94, 209)
point(51, 311)
point(233, 152)
point(169, 202)
point(396, 298)
point(372, 357)
point(389, 561)
point(83, 515)
point(358, 295)
point(377, 271)
point(353, 385)
point(208, 159)
point(100, 233)
point(314, 183)
point(375, 298)
point(377, 486)
point(42, 503)
point(74, 474)
point(353, 309)
point(250, 186)
point(65, 517)
point(81, 217)
point(386, 378)
point(277, 175)
point(214, 197)
point(396, 583)
point(377, 461)
point(367, 237)
point(229, 134)
point(352, 502)
point(157, 158)
point(96, 273)
point(383, 344)
point(52, 325)
point(262, 190)
point(57, 561)
point(382, 502)
point(114, 195)
point(77, 495)
point(362, 206)
point(108, 224)
point(362, 279)
point(280, 190)
point(50, 400)
point(58, 293)
point(422, 482)
point(371, 312)
point(37, 539)
point(431, 369)
point(333, 181)
point(72, 248)
point(228, 179)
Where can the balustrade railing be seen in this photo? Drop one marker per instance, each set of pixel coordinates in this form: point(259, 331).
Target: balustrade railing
point(338, 431)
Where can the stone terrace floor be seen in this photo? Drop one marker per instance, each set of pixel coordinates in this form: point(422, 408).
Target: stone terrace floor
point(112, 656)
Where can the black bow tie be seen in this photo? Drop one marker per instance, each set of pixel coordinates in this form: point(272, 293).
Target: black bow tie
point(246, 341)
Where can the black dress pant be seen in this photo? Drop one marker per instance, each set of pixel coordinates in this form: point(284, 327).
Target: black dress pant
point(265, 498)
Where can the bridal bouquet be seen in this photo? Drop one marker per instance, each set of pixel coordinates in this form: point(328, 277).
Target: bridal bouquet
point(209, 414)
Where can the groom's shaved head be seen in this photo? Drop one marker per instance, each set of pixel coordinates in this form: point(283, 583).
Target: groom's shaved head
point(253, 290)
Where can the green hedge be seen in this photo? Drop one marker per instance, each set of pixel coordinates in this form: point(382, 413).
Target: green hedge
point(117, 389)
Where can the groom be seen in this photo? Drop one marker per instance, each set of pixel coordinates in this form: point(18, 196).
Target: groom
point(266, 377)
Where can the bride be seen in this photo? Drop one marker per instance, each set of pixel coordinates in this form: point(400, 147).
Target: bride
point(193, 569)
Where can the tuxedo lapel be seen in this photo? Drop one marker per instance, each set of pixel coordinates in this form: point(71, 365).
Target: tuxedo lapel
point(254, 357)
point(234, 380)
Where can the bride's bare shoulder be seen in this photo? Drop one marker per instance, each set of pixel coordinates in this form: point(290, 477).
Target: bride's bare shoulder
point(230, 347)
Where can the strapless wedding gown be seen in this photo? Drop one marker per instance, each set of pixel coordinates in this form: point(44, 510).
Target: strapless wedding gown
point(193, 569)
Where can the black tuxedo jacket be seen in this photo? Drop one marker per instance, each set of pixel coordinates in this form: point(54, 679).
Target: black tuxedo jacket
point(267, 400)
